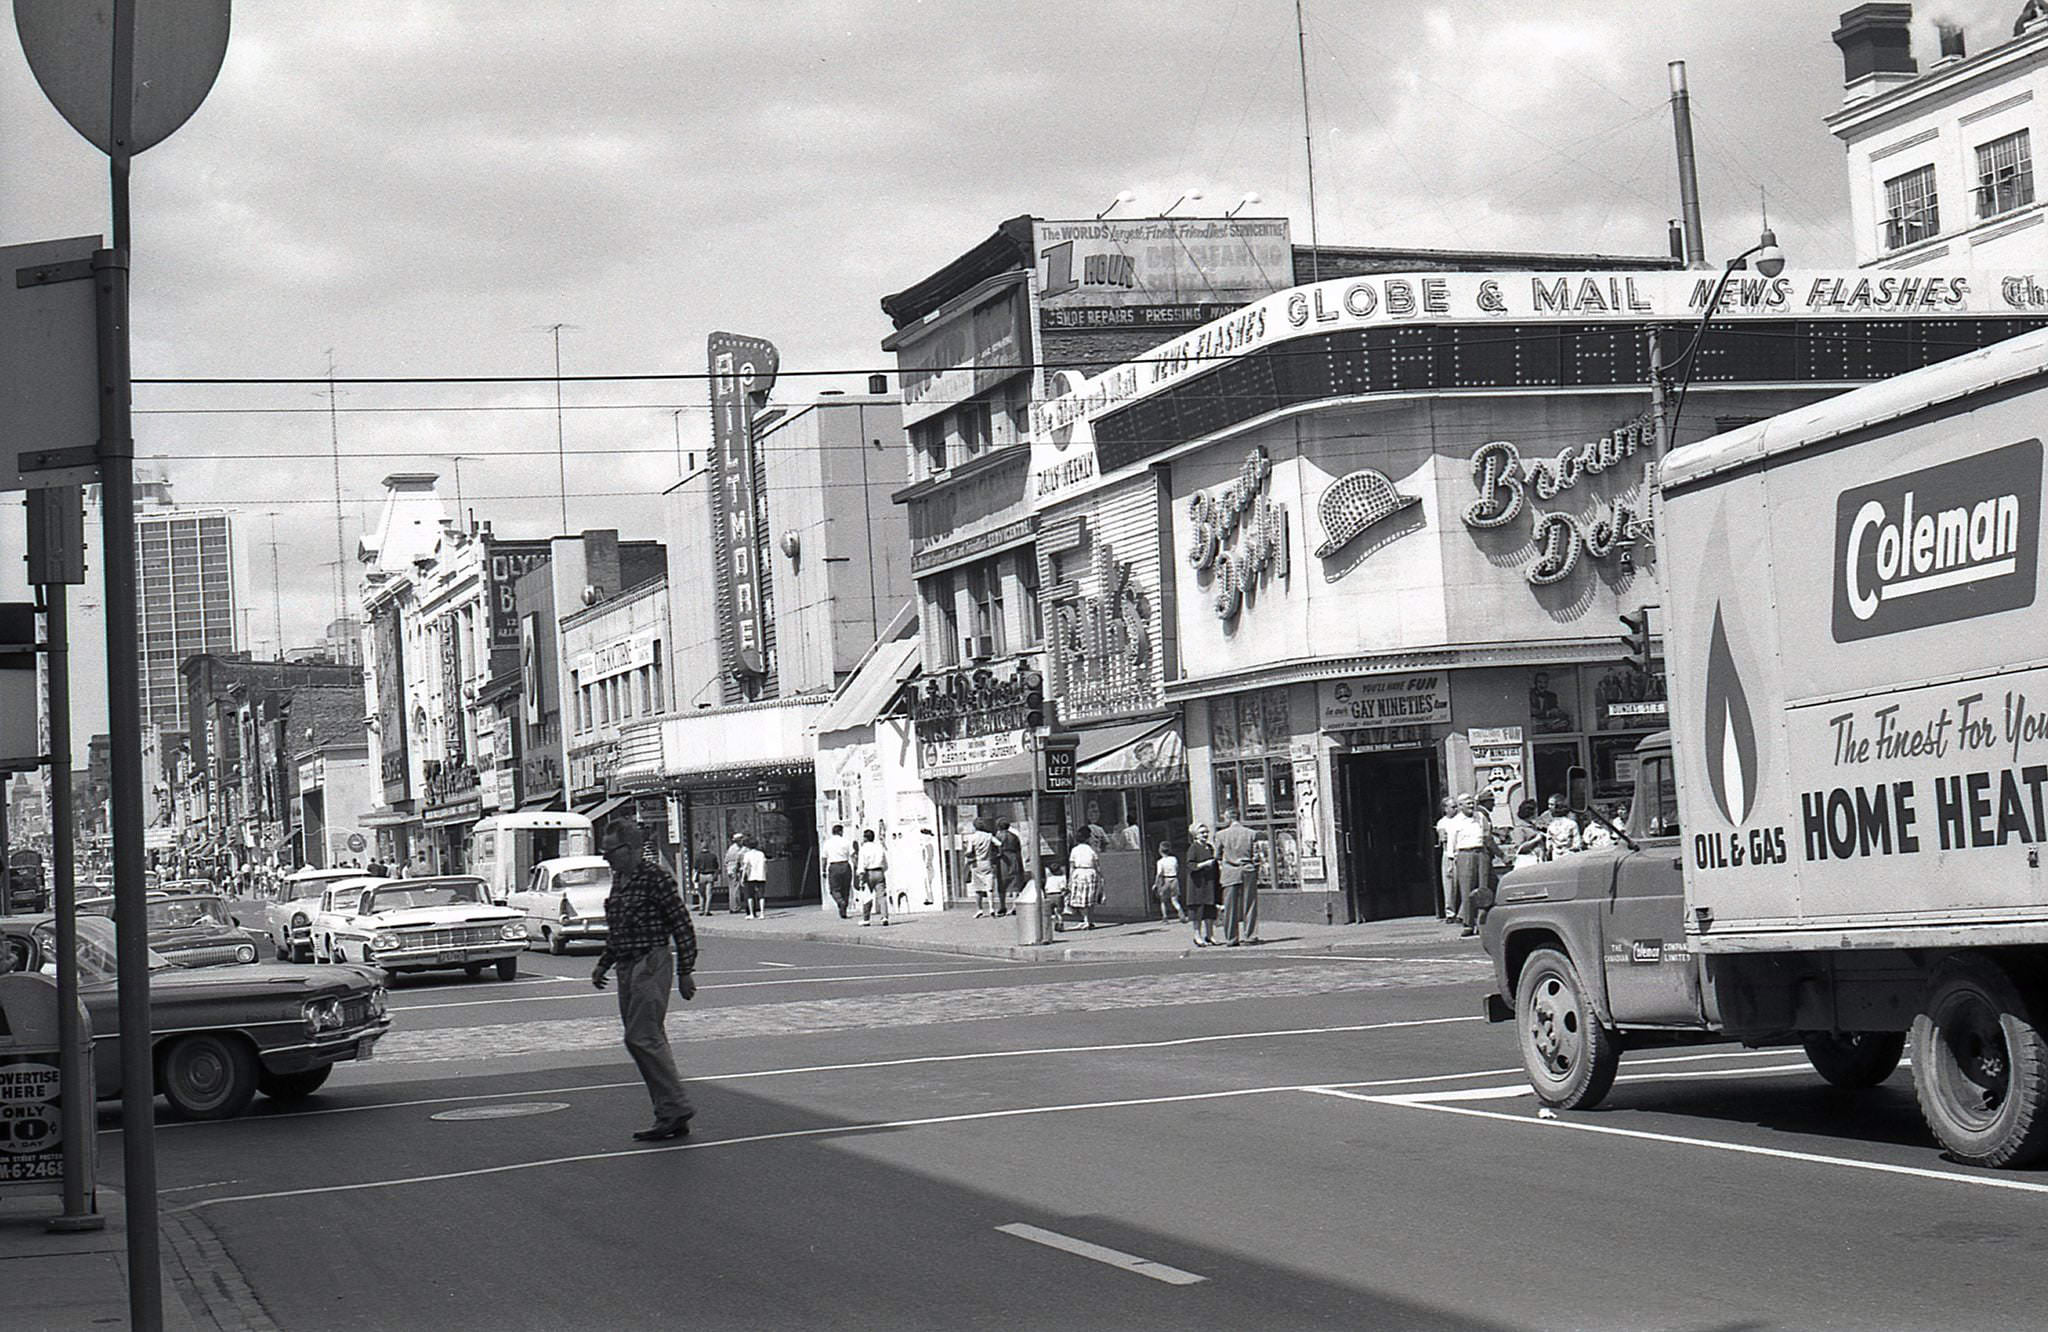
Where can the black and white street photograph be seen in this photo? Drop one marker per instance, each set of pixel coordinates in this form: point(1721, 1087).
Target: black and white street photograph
point(1068, 665)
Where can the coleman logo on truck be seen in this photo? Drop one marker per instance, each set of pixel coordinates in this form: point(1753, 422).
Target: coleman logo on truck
point(1947, 543)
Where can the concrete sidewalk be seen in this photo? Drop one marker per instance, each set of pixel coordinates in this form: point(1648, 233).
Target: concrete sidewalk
point(65, 1282)
point(959, 931)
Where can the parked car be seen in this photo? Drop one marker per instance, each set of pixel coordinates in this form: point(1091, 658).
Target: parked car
point(188, 929)
point(220, 1034)
point(288, 921)
point(27, 887)
point(418, 924)
point(563, 901)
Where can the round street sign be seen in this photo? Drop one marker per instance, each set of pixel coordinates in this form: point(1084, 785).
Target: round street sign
point(179, 46)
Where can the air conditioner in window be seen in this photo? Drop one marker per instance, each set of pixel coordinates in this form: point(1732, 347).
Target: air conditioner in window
point(980, 647)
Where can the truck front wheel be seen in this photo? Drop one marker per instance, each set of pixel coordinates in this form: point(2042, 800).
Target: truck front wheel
point(1980, 1065)
point(1854, 1059)
point(1570, 1058)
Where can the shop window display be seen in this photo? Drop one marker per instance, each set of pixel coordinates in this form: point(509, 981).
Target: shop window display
point(1254, 774)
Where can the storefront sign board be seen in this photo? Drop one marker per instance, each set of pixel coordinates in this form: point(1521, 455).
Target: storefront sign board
point(742, 372)
point(1371, 702)
point(1498, 765)
point(956, 758)
point(963, 354)
point(1115, 274)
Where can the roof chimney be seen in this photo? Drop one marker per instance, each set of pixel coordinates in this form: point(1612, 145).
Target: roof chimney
point(1877, 50)
point(1950, 36)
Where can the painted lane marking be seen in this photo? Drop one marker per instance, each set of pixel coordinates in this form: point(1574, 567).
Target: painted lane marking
point(766, 963)
point(210, 1184)
point(1681, 1140)
point(904, 1062)
point(1129, 1262)
point(1519, 1089)
point(857, 1129)
point(722, 985)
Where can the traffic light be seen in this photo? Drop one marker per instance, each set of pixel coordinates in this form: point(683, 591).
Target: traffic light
point(1636, 642)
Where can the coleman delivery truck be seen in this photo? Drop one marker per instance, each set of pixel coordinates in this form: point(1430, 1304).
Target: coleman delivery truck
point(1838, 843)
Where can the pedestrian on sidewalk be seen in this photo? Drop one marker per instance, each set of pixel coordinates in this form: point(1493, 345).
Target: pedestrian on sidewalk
point(1447, 866)
point(1473, 846)
point(735, 888)
point(838, 855)
point(1166, 884)
point(649, 938)
point(1084, 880)
point(1204, 890)
point(874, 877)
point(754, 876)
point(982, 853)
point(1531, 843)
point(1009, 866)
point(1236, 847)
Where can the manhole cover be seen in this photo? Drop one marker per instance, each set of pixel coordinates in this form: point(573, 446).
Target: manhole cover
point(503, 1111)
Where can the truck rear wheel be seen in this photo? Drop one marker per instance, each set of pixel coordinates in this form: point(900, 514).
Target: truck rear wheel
point(1570, 1058)
point(1854, 1059)
point(1980, 1065)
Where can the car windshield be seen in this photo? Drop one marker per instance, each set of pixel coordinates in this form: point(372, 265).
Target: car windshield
point(583, 878)
point(96, 956)
point(178, 912)
point(398, 896)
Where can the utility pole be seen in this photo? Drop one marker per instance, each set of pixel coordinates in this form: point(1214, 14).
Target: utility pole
point(1315, 270)
point(276, 593)
point(340, 548)
point(561, 448)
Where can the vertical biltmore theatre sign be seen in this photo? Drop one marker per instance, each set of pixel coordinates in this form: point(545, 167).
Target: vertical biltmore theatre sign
point(742, 372)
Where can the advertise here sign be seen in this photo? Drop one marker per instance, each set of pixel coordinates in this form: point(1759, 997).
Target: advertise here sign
point(31, 1128)
point(1381, 701)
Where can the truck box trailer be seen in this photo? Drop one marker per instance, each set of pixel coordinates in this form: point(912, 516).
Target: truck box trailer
point(1839, 841)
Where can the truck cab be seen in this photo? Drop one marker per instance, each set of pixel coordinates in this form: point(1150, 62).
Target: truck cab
point(1590, 947)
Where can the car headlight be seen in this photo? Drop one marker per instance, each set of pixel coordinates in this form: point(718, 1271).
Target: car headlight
point(299, 920)
point(384, 943)
point(512, 929)
point(323, 1015)
point(245, 952)
point(379, 1001)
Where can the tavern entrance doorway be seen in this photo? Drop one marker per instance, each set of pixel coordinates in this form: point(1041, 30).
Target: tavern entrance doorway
point(1387, 804)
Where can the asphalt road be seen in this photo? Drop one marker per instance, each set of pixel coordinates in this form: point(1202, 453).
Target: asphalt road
point(891, 1139)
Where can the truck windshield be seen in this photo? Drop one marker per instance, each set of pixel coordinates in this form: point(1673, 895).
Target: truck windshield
point(1656, 809)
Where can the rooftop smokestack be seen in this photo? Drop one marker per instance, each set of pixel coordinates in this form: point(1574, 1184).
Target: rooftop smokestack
point(1951, 37)
point(1877, 49)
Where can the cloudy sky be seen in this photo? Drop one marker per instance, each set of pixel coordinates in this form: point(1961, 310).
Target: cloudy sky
point(422, 189)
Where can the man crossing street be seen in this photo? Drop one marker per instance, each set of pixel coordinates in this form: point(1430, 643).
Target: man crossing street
point(643, 916)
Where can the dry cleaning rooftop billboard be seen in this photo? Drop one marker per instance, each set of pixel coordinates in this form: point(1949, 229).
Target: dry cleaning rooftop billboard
point(1063, 451)
point(1116, 275)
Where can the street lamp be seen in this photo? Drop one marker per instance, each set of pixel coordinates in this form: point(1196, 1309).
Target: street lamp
point(1191, 196)
point(1770, 261)
point(1243, 204)
point(1122, 197)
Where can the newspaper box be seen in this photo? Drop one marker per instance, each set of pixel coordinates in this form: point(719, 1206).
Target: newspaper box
point(31, 1107)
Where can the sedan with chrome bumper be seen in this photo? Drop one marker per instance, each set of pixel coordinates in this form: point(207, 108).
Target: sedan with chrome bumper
point(420, 925)
point(219, 1034)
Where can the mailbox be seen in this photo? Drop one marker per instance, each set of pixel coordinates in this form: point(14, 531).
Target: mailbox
point(31, 1100)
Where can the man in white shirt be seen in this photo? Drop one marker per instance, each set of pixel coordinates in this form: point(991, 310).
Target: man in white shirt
point(1472, 846)
point(837, 852)
point(874, 876)
point(1447, 873)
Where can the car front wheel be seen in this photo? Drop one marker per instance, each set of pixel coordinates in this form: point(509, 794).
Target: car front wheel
point(508, 968)
point(208, 1075)
point(557, 945)
point(293, 1086)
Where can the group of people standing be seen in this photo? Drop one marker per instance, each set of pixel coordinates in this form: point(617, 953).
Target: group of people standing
point(742, 871)
point(1476, 852)
point(1216, 874)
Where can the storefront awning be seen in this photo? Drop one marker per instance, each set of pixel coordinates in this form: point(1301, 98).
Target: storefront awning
point(550, 799)
point(1143, 753)
point(605, 808)
point(1138, 754)
point(871, 688)
point(387, 818)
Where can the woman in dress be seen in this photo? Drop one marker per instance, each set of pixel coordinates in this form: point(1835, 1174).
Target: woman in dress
point(1084, 881)
point(983, 852)
point(1204, 884)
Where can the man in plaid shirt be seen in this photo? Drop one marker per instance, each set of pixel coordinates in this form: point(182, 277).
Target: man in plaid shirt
point(642, 915)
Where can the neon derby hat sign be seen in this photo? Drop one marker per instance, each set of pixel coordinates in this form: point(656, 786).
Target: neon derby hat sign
point(1356, 503)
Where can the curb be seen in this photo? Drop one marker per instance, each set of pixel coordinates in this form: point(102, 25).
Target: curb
point(1048, 952)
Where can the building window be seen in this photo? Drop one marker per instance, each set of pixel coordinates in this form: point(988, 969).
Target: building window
point(1911, 211)
point(1034, 610)
point(942, 629)
point(973, 422)
point(928, 443)
point(660, 686)
point(985, 591)
point(2005, 175)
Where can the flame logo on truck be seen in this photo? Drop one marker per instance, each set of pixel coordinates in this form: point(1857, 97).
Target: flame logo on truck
point(1731, 735)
